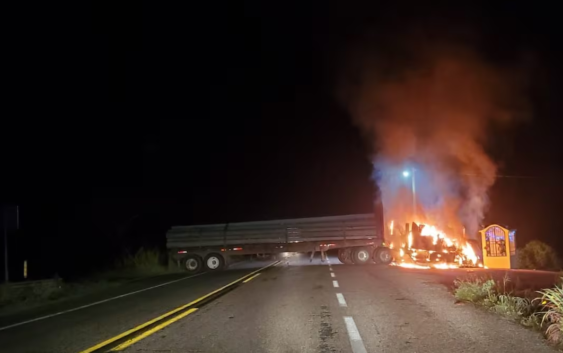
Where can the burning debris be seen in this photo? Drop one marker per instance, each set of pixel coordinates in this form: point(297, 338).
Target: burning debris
point(428, 247)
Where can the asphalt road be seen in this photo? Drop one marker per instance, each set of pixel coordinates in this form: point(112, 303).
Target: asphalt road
point(295, 306)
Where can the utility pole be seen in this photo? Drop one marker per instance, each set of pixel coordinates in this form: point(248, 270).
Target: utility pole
point(413, 194)
point(6, 272)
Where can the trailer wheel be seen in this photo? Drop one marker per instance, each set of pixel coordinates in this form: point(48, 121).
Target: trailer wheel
point(214, 262)
point(361, 256)
point(382, 256)
point(193, 264)
point(344, 256)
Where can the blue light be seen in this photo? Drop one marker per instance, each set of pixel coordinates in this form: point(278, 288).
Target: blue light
point(406, 173)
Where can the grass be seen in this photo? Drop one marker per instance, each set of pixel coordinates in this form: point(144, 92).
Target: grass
point(473, 290)
point(542, 310)
point(552, 301)
point(144, 263)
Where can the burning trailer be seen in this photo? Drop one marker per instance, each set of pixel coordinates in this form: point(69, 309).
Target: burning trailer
point(425, 246)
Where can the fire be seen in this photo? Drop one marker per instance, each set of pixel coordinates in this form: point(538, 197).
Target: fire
point(447, 253)
point(409, 265)
point(467, 250)
point(443, 266)
point(435, 233)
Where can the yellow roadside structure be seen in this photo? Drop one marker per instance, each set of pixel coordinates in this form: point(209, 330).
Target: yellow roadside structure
point(499, 247)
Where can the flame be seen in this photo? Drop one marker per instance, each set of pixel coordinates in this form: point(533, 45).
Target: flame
point(467, 250)
point(464, 252)
point(444, 266)
point(435, 233)
point(409, 265)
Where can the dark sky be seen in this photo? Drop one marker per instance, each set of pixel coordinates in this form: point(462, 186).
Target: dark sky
point(125, 119)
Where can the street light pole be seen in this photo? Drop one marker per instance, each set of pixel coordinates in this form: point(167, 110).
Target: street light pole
point(413, 194)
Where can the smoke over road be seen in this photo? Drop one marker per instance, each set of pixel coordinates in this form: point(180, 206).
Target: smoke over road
point(432, 116)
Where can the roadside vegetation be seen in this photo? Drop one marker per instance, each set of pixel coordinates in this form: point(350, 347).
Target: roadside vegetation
point(537, 255)
point(539, 310)
point(130, 267)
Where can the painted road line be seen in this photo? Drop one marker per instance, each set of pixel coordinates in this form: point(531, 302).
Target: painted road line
point(170, 313)
point(335, 284)
point(341, 300)
point(332, 274)
point(96, 303)
point(152, 330)
point(251, 278)
point(330, 269)
point(354, 335)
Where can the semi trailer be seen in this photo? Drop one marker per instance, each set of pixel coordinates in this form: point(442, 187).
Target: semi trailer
point(358, 239)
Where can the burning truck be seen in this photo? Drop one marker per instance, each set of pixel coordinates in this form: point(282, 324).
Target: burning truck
point(425, 246)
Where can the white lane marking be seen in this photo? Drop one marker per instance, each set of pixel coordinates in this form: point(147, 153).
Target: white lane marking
point(332, 274)
point(330, 269)
point(354, 335)
point(335, 284)
point(341, 300)
point(96, 303)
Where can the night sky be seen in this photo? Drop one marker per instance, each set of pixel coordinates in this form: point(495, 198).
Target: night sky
point(126, 119)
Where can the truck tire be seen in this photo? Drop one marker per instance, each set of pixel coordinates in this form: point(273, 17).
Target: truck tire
point(214, 262)
point(344, 256)
point(361, 256)
point(193, 263)
point(382, 256)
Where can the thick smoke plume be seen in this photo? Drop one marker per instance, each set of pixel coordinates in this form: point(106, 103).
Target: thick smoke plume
point(432, 116)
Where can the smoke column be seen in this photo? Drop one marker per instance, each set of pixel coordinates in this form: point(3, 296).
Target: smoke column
point(433, 115)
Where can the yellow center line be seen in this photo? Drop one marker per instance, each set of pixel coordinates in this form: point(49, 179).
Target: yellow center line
point(151, 331)
point(172, 312)
point(251, 278)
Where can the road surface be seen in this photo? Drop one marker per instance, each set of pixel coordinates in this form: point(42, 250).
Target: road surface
point(294, 306)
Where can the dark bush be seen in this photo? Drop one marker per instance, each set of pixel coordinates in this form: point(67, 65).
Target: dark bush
point(537, 255)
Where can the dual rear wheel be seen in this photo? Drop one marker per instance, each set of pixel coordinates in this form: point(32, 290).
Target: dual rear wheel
point(365, 255)
point(212, 262)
